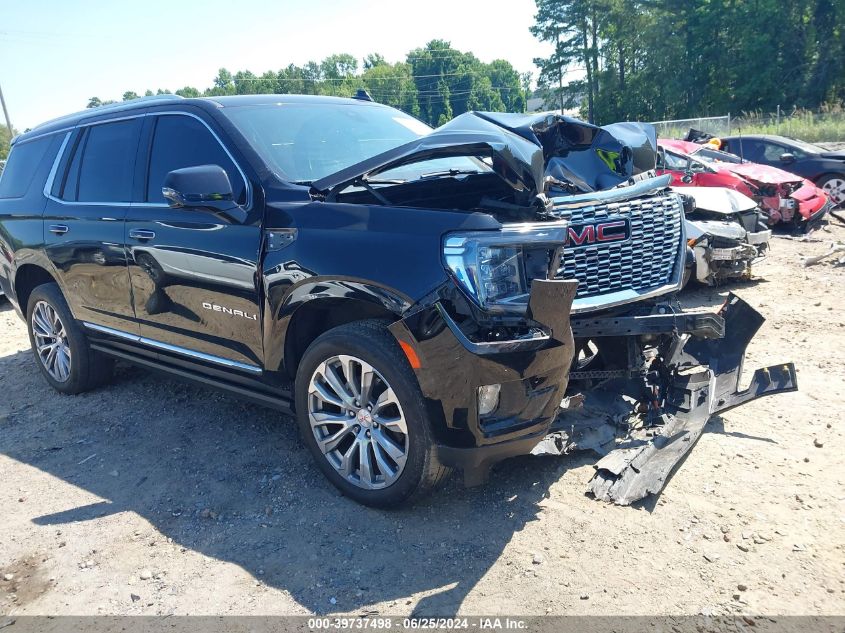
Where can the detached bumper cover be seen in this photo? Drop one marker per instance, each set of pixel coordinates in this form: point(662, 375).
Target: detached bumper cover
point(702, 380)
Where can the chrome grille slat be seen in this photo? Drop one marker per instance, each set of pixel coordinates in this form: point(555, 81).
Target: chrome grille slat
point(645, 261)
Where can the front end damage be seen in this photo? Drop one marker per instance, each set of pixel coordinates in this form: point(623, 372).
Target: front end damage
point(644, 409)
point(798, 202)
point(786, 198)
point(726, 231)
point(527, 362)
point(557, 330)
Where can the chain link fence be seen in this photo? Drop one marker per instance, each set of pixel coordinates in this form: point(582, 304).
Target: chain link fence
point(678, 128)
point(825, 125)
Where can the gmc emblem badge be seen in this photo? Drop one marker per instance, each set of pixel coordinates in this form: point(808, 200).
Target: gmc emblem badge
point(598, 232)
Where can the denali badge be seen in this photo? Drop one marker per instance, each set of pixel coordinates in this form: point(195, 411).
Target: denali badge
point(598, 232)
point(230, 311)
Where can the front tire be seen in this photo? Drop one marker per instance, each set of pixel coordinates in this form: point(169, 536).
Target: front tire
point(362, 414)
point(61, 348)
point(834, 186)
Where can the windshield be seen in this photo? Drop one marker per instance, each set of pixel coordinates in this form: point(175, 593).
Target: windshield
point(711, 156)
point(305, 142)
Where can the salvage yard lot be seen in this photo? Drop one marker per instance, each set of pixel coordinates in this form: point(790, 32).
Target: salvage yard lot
point(155, 497)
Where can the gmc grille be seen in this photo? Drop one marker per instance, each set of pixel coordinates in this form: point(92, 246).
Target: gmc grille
point(642, 263)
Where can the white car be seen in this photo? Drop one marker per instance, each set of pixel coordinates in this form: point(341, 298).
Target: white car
point(727, 231)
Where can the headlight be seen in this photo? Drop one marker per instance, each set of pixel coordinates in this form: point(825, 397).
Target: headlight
point(495, 268)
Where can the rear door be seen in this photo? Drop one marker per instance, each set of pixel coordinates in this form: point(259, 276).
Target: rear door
point(88, 199)
point(194, 272)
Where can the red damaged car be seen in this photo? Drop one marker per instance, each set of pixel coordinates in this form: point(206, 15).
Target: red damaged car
point(783, 196)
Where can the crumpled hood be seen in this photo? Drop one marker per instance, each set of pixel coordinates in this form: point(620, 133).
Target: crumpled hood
point(718, 199)
point(524, 148)
point(763, 174)
point(592, 158)
point(715, 228)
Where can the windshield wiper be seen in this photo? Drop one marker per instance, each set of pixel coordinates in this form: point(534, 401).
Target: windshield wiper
point(384, 181)
point(450, 172)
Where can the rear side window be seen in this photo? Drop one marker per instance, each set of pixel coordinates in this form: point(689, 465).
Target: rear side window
point(750, 150)
point(183, 141)
point(674, 162)
point(103, 163)
point(20, 169)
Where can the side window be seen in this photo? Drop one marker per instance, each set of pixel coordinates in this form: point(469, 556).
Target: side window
point(102, 166)
point(772, 152)
point(20, 169)
point(675, 162)
point(182, 141)
point(751, 150)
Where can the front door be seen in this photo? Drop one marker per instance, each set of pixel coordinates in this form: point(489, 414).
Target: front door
point(83, 221)
point(194, 273)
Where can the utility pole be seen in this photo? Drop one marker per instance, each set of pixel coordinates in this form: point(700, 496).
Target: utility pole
point(6, 113)
point(559, 71)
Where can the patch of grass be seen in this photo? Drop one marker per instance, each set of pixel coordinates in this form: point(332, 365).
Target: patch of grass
point(825, 126)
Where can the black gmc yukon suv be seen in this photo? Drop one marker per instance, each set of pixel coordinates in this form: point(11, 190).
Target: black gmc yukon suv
point(418, 298)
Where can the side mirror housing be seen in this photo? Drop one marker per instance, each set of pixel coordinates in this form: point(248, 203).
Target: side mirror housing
point(202, 187)
point(787, 158)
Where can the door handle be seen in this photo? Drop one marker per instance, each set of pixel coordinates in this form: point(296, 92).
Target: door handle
point(58, 229)
point(142, 234)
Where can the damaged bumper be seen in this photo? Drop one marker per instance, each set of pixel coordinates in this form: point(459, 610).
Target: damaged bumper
point(530, 373)
point(645, 425)
point(719, 259)
point(805, 207)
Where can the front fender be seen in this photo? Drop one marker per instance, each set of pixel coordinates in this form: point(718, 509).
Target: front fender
point(349, 298)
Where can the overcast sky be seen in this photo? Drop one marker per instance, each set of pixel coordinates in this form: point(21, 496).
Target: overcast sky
point(56, 54)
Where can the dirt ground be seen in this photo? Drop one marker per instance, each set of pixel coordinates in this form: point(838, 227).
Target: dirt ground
point(154, 497)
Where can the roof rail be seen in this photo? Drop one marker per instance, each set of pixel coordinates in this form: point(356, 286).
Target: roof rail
point(118, 104)
point(105, 108)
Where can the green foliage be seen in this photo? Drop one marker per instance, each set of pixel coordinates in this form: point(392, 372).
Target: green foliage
point(5, 141)
point(435, 83)
point(671, 59)
point(826, 125)
point(392, 84)
point(450, 83)
point(95, 102)
point(188, 92)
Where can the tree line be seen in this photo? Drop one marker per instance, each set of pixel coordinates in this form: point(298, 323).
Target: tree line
point(668, 59)
point(435, 82)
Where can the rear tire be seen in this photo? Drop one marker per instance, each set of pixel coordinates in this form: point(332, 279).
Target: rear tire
point(60, 346)
point(381, 455)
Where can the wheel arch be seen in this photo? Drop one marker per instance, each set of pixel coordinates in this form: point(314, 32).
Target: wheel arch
point(817, 180)
point(27, 278)
point(313, 318)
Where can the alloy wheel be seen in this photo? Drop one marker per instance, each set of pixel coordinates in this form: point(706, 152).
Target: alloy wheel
point(835, 189)
point(51, 343)
point(358, 422)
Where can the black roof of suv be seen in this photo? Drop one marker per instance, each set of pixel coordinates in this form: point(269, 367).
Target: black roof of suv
point(208, 103)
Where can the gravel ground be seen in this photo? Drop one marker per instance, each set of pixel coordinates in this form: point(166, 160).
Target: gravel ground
point(154, 497)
